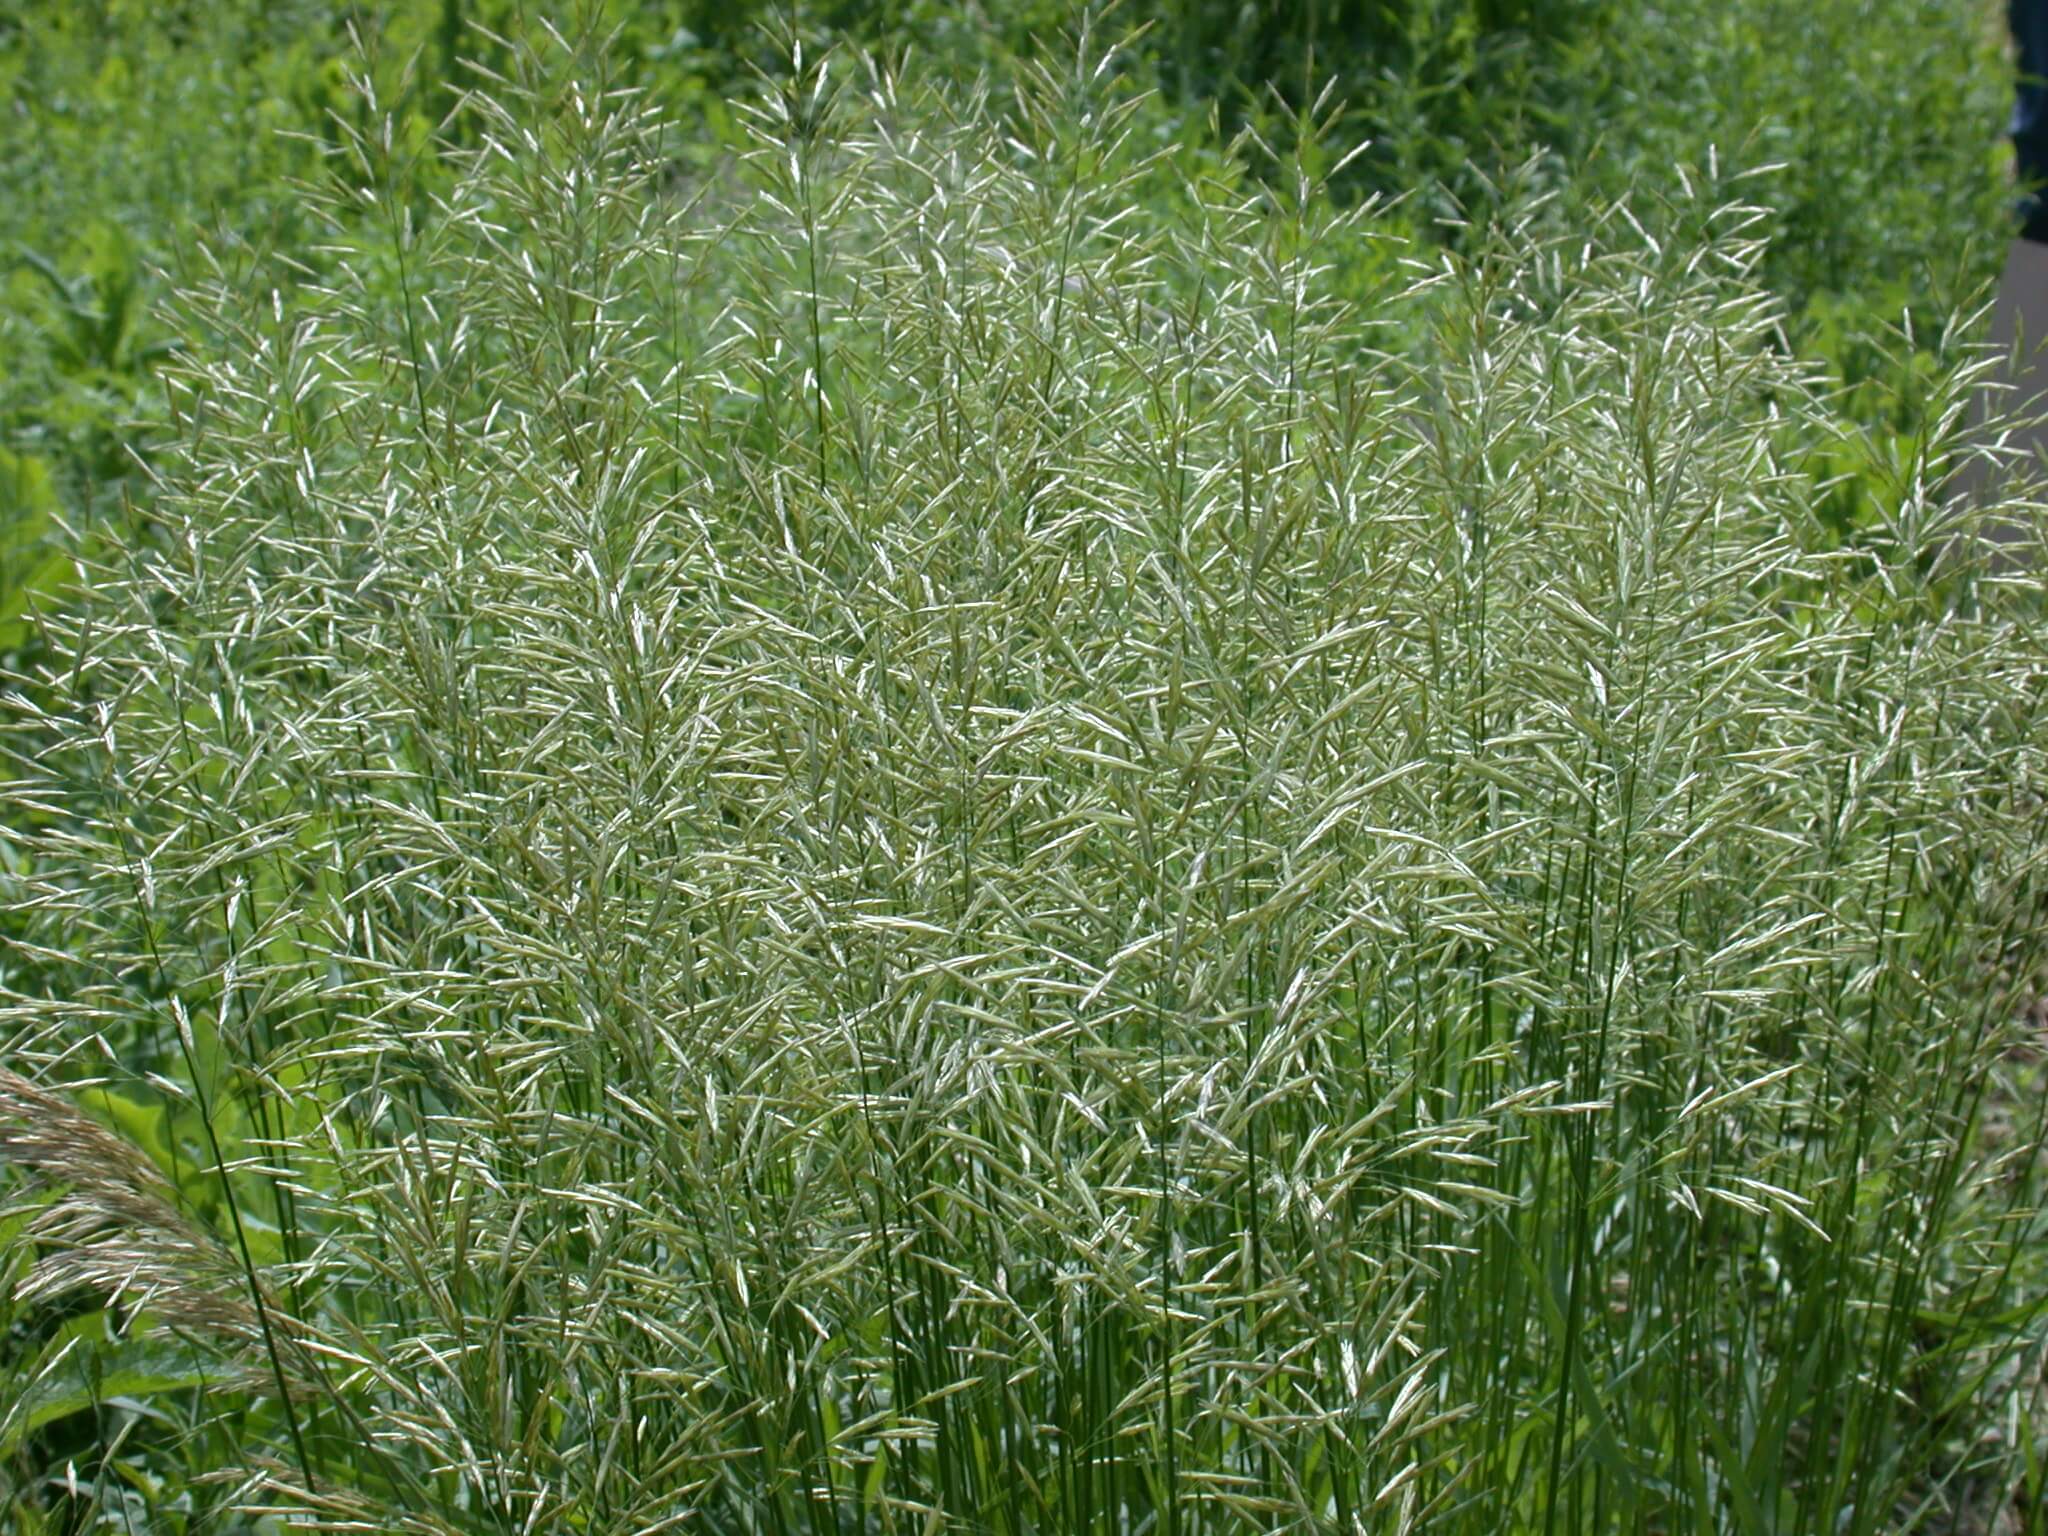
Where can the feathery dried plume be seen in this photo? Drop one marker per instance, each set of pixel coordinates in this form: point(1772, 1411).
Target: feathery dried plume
point(111, 1222)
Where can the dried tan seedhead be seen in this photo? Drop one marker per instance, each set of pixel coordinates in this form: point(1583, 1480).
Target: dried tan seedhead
point(271, 1488)
point(108, 1221)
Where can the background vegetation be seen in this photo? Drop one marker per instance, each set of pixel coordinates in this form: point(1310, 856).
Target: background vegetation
point(842, 773)
point(133, 129)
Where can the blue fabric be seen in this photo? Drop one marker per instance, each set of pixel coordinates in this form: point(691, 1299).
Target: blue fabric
point(2029, 129)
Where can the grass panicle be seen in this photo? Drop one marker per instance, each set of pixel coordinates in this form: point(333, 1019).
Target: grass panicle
point(898, 840)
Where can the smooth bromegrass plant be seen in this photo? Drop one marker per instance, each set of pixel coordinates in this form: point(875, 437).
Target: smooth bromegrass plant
point(897, 843)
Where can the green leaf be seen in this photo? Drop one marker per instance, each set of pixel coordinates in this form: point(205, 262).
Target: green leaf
point(1747, 1510)
point(29, 566)
point(146, 1125)
point(93, 1373)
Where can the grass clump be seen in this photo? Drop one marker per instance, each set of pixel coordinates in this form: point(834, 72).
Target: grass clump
point(895, 842)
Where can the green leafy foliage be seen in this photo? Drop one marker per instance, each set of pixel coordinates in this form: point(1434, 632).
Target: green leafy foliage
point(28, 505)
